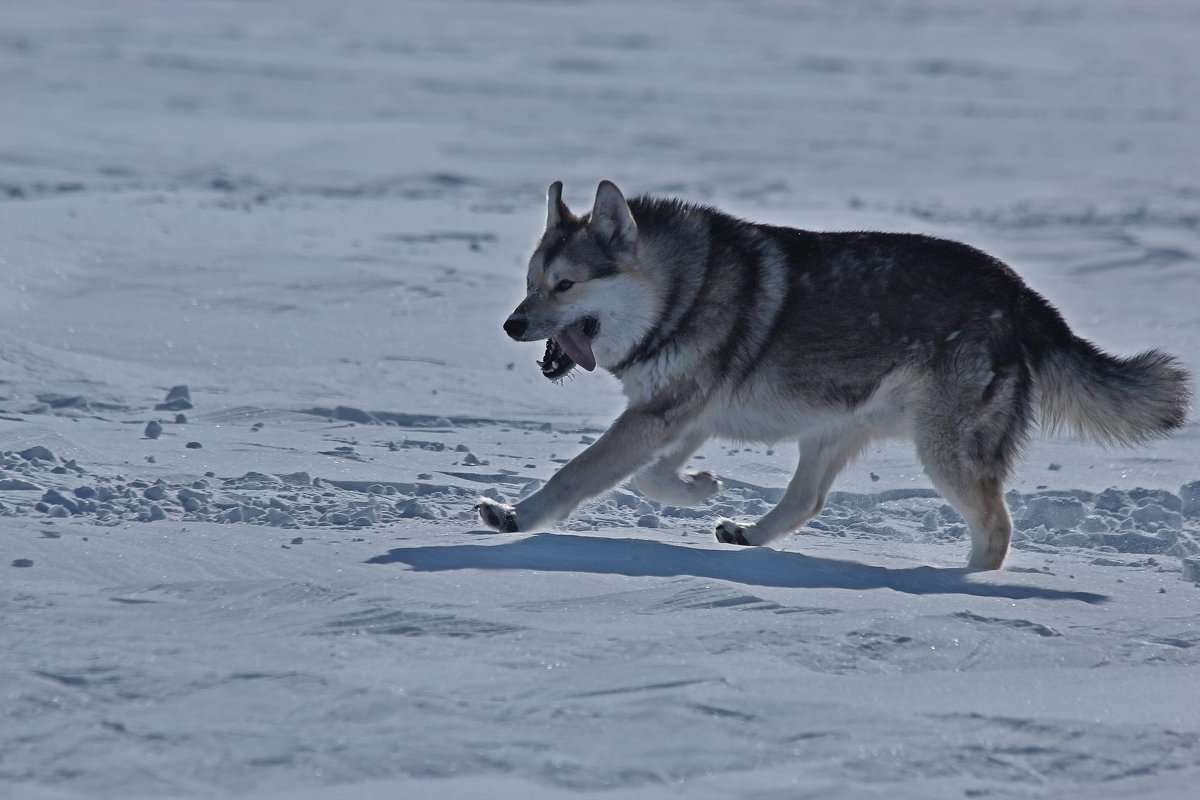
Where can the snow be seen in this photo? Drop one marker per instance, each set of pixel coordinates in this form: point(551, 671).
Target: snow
point(315, 217)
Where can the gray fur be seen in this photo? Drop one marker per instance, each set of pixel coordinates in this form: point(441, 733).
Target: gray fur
point(718, 327)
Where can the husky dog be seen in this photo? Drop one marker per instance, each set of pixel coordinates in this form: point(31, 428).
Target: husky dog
point(718, 327)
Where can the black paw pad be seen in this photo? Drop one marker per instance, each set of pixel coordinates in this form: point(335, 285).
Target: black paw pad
point(495, 515)
point(729, 533)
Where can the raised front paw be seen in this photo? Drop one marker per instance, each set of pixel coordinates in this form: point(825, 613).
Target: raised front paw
point(703, 484)
point(497, 516)
point(729, 532)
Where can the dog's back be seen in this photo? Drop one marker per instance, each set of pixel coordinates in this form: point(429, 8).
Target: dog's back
point(824, 318)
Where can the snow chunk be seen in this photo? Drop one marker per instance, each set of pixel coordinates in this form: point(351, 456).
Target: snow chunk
point(38, 452)
point(1054, 512)
point(1189, 494)
point(178, 399)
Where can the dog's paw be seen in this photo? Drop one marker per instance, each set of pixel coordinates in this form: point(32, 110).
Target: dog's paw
point(702, 484)
point(729, 532)
point(497, 516)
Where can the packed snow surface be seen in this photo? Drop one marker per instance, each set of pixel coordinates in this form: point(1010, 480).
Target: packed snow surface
point(254, 259)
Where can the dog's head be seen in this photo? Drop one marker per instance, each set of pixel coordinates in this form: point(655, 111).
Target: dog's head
point(586, 294)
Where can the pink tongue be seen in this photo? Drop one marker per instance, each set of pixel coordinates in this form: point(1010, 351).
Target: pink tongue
point(576, 344)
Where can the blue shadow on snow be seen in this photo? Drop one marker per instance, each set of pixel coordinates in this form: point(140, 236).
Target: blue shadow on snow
point(752, 566)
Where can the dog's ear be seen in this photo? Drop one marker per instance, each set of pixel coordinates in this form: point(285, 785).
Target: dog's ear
point(611, 218)
point(557, 212)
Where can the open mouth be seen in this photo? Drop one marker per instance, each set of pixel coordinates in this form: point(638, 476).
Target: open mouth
point(570, 347)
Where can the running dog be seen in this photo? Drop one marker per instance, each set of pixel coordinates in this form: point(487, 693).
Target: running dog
point(719, 327)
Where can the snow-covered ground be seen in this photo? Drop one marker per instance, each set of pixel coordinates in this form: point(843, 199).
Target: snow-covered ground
point(316, 215)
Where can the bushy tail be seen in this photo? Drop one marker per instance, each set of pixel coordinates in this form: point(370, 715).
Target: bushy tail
point(1112, 399)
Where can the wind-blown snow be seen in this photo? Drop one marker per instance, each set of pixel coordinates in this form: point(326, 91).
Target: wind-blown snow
point(315, 216)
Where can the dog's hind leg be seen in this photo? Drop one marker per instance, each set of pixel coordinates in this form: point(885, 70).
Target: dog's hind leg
point(661, 480)
point(968, 435)
point(980, 500)
point(821, 459)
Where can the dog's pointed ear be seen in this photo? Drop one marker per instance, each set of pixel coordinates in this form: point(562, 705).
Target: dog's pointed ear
point(611, 218)
point(557, 212)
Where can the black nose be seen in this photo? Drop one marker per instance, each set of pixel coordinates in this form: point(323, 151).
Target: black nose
point(515, 326)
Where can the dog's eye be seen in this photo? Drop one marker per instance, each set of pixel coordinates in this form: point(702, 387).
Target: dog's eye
point(564, 285)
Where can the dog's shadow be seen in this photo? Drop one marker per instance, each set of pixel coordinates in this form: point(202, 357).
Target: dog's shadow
point(752, 566)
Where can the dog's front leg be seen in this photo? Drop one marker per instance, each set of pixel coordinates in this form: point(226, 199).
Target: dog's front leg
point(633, 440)
point(661, 480)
